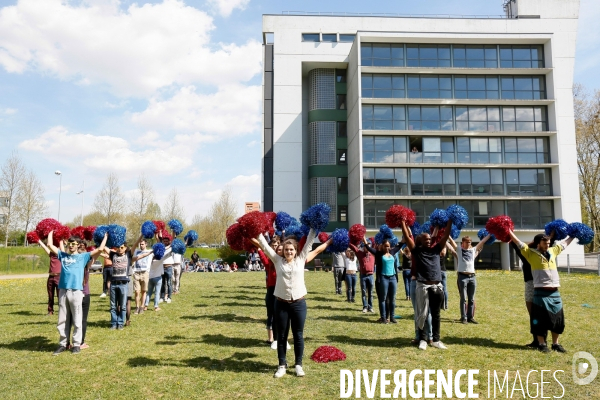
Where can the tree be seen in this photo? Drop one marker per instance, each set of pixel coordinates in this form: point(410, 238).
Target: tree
point(11, 176)
point(30, 206)
point(173, 208)
point(222, 214)
point(587, 125)
point(110, 201)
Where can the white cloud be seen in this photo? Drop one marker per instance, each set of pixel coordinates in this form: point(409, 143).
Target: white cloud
point(9, 111)
point(110, 153)
point(252, 143)
point(133, 52)
point(226, 7)
point(233, 110)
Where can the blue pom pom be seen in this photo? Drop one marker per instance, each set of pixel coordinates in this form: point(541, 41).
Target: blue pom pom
point(278, 233)
point(582, 232)
point(159, 251)
point(386, 231)
point(415, 229)
point(439, 218)
point(175, 226)
point(379, 238)
point(116, 235)
point(340, 240)
point(305, 230)
point(393, 241)
point(148, 229)
point(99, 234)
point(317, 216)
point(294, 229)
point(458, 215)
point(190, 237)
point(560, 228)
point(426, 227)
point(483, 233)
point(178, 246)
point(283, 220)
point(454, 232)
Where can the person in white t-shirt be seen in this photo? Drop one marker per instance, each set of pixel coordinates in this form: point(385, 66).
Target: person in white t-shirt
point(141, 268)
point(467, 284)
point(350, 261)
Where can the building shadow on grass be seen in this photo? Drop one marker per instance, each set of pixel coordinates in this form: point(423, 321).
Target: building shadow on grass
point(238, 362)
point(219, 340)
point(34, 343)
point(200, 305)
point(24, 313)
point(482, 342)
point(319, 298)
point(252, 287)
point(99, 324)
point(391, 342)
point(344, 318)
point(224, 318)
point(242, 305)
point(52, 322)
point(320, 307)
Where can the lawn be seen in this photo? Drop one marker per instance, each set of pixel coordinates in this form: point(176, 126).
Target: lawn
point(209, 343)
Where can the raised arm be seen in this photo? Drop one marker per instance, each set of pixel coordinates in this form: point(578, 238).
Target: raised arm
point(480, 244)
point(308, 245)
point(368, 247)
point(354, 248)
point(318, 250)
point(137, 242)
point(43, 246)
point(266, 248)
point(141, 255)
point(451, 249)
point(51, 245)
point(98, 250)
point(410, 243)
point(515, 239)
point(452, 243)
point(444, 239)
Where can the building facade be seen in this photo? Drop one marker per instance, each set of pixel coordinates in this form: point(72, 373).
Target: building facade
point(367, 112)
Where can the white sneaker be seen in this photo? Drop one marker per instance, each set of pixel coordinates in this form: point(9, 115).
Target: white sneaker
point(160, 300)
point(288, 345)
point(299, 370)
point(103, 295)
point(422, 345)
point(438, 345)
point(168, 300)
point(274, 345)
point(280, 372)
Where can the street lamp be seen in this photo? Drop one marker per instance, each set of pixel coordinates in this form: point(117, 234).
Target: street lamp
point(81, 192)
point(59, 191)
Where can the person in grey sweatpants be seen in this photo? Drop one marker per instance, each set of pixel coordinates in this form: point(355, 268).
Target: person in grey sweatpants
point(339, 266)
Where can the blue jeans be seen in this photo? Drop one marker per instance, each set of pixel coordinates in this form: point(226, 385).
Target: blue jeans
point(118, 303)
point(413, 299)
point(167, 282)
point(406, 279)
point(296, 314)
point(466, 288)
point(366, 286)
point(154, 285)
point(350, 286)
point(389, 285)
point(444, 283)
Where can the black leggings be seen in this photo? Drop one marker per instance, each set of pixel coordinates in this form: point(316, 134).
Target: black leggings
point(270, 303)
point(436, 299)
point(296, 314)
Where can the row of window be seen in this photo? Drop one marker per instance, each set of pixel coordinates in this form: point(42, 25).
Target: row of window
point(453, 86)
point(469, 150)
point(458, 118)
point(328, 37)
point(458, 56)
point(453, 182)
point(526, 214)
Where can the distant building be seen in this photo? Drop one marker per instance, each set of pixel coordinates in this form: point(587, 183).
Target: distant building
point(251, 206)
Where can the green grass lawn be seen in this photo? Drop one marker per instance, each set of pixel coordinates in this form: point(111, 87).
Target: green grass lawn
point(209, 343)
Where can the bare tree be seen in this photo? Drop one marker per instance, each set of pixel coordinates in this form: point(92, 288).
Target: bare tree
point(587, 125)
point(142, 199)
point(110, 201)
point(173, 208)
point(222, 214)
point(11, 176)
point(30, 206)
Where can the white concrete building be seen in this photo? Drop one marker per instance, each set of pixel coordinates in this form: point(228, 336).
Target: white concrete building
point(364, 112)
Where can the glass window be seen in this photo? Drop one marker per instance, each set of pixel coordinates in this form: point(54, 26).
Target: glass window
point(345, 37)
point(521, 56)
point(342, 129)
point(381, 55)
point(341, 101)
point(427, 55)
point(430, 86)
point(342, 185)
point(368, 181)
point(311, 37)
point(329, 37)
point(342, 156)
point(343, 213)
point(416, 181)
point(340, 75)
point(401, 188)
point(523, 87)
point(475, 56)
point(432, 179)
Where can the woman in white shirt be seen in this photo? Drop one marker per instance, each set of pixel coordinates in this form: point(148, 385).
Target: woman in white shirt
point(350, 261)
point(289, 295)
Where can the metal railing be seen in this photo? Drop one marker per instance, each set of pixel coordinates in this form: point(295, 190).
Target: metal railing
point(579, 263)
point(24, 264)
point(357, 14)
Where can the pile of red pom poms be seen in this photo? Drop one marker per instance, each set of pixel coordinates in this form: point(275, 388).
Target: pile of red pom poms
point(500, 227)
point(397, 213)
point(328, 353)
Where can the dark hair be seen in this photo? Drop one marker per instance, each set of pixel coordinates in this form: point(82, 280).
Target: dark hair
point(75, 239)
point(540, 238)
point(419, 241)
point(465, 238)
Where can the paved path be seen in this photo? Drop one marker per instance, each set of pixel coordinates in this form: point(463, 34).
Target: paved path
point(28, 276)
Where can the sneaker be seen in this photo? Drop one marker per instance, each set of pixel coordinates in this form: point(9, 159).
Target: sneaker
point(169, 301)
point(299, 370)
point(463, 321)
point(59, 350)
point(84, 346)
point(365, 310)
point(75, 350)
point(472, 321)
point(287, 345)
point(137, 310)
point(439, 345)
point(156, 308)
point(103, 295)
point(280, 372)
point(142, 310)
point(160, 300)
point(370, 310)
point(544, 348)
point(393, 321)
point(113, 327)
point(274, 345)
point(534, 344)
point(559, 348)
point(120, 327)
point(422, 345)
point(382, 321)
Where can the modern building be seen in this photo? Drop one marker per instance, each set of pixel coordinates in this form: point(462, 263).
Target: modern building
point(363, 112)
point(251, 206)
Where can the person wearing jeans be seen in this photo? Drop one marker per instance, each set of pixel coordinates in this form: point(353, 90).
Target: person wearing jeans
point(386, 278)
point(155, 279)
point(351, 268)
point(406, 272)
point(366, 262)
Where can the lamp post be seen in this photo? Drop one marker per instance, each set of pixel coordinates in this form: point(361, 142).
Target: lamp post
point(59, 191)
point(81, 192)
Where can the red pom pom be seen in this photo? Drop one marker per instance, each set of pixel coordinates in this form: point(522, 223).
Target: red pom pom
point(160, 225)
point(165, 234)
point(271, 231)
point(301, 243)
point(323, 237)
point(356, 233)
point(61, 233)
point(372, 240)
point(88, 232)
point(397, 213)
point(253, 224)
point(328, 353)
point(90, 248)
point(248, 246)
point(32, 237)
point(235, 237)
point(270, 217)
point(500, 226)
point(79, 232)
point(44, 227)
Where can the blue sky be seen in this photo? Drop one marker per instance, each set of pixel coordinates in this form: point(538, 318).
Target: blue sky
point(169, 88)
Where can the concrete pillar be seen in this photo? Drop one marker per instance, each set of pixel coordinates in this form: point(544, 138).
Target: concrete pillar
point(505, 256)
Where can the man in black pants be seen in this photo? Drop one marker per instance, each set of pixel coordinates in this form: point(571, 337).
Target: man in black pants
point(339, 266)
